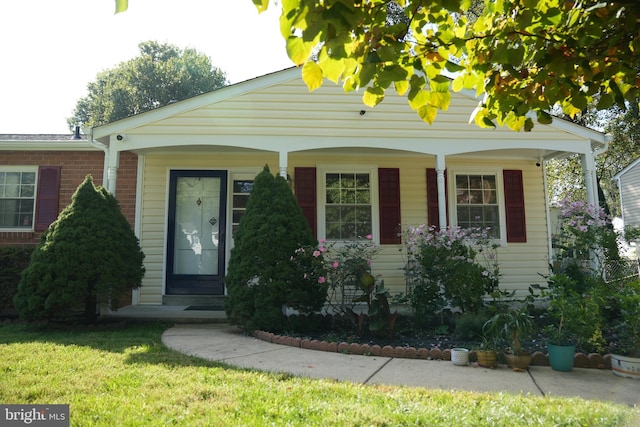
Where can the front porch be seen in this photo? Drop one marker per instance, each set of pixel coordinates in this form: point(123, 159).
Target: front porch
point(171, 313)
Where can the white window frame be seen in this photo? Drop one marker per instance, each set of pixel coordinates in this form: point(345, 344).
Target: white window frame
point(453, 201)
point(35, 196)
point(323, 170)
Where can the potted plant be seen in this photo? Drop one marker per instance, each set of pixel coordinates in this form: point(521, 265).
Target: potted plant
point(574, 315)
point(487, 353)
point(625, 359)
point(513, 325)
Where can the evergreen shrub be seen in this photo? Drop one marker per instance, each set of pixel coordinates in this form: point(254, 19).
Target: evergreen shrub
point(89, 255)
point(13, 260)
point(263, 274)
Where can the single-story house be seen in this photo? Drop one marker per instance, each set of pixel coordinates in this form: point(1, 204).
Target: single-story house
point(182, 174)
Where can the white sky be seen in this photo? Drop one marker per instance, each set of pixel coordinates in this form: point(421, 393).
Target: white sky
point(50, 50)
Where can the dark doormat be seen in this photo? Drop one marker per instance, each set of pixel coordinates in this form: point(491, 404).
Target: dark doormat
point(205, 307)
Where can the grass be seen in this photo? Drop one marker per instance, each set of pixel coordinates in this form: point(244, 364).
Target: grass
point(128, 378)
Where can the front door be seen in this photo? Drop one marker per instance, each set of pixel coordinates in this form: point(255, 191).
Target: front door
point(197, 224)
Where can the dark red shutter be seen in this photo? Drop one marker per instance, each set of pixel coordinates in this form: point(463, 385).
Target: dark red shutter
point(389, 199)
point(305, 188)
point(47, 197)
point(433, 212)
point(514, 206)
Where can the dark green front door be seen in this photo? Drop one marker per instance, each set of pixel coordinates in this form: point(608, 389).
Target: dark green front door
point(197, 225)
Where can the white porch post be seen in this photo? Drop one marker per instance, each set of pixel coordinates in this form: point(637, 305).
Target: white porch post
point(590, 180)
point(442, 192)
point(284, 161)
point(591, 186)
point(113, 164)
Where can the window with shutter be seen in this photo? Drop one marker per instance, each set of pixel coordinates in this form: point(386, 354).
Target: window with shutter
point(486, 199)
point(17, 197)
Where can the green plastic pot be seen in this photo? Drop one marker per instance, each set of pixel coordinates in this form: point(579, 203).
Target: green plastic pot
point(561, 357)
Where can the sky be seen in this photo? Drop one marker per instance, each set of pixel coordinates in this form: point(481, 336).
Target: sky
point(50, 50)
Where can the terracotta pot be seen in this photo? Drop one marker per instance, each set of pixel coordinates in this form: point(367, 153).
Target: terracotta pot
point(520, 361)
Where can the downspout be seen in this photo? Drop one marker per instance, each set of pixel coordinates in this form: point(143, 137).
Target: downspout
point(105, 149)
point(545, 185)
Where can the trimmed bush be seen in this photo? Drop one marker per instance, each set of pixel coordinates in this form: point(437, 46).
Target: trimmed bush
point(89, 255)
point(262, 276)
point(13, 260)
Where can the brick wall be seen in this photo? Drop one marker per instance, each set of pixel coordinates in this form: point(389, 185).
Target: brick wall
point(76, 165)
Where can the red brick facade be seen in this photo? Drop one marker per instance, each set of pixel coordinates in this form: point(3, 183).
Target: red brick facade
point(76, 165)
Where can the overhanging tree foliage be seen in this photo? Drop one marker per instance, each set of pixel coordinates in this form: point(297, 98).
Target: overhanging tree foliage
point(162, 74)
point(523, 55)
point(89, 255)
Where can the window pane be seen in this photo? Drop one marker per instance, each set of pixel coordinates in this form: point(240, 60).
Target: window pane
point(240, 201)
point(27, 190)
point(362, 180)
point(348, 181)
point(28, 178)
point(240, 186)
point(12, 184)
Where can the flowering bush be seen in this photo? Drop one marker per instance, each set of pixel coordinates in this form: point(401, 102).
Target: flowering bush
point(349, 270)
point(308, 288)
point(584, 233)
point(453, 266)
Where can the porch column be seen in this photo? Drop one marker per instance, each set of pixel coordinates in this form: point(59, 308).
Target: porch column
point(591, 186)
point(442, 191)
point(283, 163)
point(590, 180)
point(112, 167)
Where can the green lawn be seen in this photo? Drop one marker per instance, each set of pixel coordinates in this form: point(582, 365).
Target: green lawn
point(128, 378)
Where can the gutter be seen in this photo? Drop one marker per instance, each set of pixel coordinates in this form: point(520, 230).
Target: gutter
point(105, 149)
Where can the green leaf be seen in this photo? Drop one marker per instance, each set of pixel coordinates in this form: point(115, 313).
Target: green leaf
point(427, 113)
point(401, 87)
point(441, 100)
point(312, 75)
point(419, 98)
point(514, 56)
point(122, 5)
point(373, 96)
point(544, 118)
point(366, 74)
point(298, 50)
point(261, 5)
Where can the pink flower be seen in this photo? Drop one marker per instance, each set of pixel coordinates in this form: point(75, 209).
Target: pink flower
point(322, 249)
point(336, 264)
point(323, 241)
point(316, 254)
point(322, 279)
point(369, 236)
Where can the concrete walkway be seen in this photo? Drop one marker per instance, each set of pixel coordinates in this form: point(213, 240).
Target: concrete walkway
point(224, 343)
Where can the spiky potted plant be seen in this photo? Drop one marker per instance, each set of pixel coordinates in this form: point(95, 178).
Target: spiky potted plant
point(513, 325)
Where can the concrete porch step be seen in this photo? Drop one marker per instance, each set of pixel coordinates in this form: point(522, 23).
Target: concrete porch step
point(194, 300)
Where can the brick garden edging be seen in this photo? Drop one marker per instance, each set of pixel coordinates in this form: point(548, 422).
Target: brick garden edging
point(581, 360)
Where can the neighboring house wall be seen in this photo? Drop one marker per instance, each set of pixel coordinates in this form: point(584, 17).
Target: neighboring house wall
point(521, 263)
point(629, 183)
point(74, 167)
